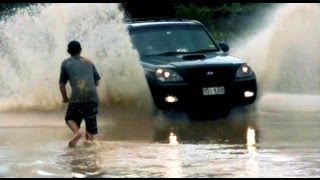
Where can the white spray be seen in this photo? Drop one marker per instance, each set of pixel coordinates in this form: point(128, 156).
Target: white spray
point(285, 56)
point(33, 44)
point(285, 53)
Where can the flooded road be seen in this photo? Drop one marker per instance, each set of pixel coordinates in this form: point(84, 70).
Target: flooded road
point(262, 143)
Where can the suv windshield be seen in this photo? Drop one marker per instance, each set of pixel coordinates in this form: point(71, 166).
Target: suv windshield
point(171, 39)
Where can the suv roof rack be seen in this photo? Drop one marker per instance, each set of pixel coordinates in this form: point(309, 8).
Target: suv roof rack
point(154, 19)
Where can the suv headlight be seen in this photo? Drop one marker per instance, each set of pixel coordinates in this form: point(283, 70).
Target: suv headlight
point(244, 71)
point(166, 75)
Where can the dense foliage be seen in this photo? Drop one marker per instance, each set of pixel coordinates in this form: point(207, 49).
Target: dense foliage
point(224, 20)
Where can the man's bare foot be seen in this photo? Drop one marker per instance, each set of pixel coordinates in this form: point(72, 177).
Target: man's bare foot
point(74, 140)
point(89, 137)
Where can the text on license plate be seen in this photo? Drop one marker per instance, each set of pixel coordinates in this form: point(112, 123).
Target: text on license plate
point(213, 90)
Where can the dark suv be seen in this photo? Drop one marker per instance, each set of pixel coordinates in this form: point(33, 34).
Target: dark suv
point(187, 70)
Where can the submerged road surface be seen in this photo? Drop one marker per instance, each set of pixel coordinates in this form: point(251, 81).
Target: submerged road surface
point(269, 142)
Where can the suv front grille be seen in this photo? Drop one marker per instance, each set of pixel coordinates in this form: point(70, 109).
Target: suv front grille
point(220, 75)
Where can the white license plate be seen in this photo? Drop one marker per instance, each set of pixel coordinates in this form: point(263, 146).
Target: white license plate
point(213, 90)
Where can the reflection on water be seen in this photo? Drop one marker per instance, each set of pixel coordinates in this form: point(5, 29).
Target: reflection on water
point(173, 139)
point(173, 163)
point(251, 137)
point(225, 131)
point(244, 145)
point(252, 164)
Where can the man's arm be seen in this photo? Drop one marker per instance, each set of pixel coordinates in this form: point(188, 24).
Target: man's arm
point(63, 81)
point(63, 91)
point(96, 75)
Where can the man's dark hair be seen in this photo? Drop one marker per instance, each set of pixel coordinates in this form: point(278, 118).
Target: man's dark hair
point(74, 48)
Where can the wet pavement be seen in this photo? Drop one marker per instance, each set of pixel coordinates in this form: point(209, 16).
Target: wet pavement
point(260, 143)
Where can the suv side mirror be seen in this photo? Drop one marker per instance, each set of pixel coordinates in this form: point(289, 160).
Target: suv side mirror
point(224, 47)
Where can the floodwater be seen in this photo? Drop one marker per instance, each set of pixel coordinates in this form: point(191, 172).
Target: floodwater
point(278, 136)
point(266, 142)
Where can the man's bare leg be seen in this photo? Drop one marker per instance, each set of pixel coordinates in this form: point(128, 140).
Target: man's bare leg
point(77, 135)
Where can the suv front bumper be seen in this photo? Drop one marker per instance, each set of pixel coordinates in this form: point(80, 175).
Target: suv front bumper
point(190, 96)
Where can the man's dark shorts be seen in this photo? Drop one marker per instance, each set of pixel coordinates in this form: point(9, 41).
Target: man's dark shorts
point(87, 111)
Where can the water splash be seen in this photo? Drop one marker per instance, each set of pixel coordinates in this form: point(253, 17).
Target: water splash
point(284, 52)
point(33, 45)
